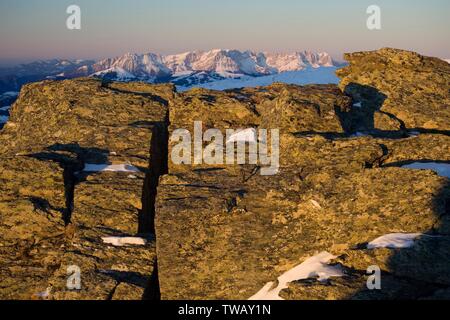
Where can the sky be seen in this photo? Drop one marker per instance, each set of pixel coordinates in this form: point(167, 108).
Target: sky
point(36, 29)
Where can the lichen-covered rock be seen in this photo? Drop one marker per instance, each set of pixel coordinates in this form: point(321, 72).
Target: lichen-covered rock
point(87, 165)
point(32, 200)
point(225, 231)
point(410, 89)
point(103, 269)
point(83, 114)
point(111, 200)
point(56, 203)
point(290, 108)
point(419, 272)
point(222, 238)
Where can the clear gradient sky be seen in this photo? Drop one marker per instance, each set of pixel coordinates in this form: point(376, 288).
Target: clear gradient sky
point(36, 29)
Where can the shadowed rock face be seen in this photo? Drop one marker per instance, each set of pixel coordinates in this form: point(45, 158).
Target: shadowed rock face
point(224, 231)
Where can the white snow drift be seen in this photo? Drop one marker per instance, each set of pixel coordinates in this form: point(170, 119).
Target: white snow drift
point(123, 241)
point(245, 135)
point(314, 267)
point(90, 167)
point(394, 241)
point(442, 169)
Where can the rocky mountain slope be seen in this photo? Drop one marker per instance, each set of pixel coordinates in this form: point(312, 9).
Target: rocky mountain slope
point(55, 214)
point(87, 180)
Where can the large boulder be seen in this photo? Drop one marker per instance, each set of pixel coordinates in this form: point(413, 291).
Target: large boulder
point(220, 236)
point(225, 231)
point(398, 89)
point(80, 160)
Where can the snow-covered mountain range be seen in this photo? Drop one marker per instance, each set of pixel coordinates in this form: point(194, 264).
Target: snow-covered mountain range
point(189, 68)
point(225, 63)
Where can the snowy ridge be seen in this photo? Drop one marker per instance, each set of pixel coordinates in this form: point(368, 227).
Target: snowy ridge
point(117, 73)
point(298, 60)
point(220, 61)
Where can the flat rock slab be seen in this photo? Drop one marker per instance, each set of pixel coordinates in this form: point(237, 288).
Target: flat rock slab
point(220, 238)
point(109, 200)
point(398, 88)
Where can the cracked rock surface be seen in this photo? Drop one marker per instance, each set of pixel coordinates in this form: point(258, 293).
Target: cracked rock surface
point(53, 214)
point(222, 231)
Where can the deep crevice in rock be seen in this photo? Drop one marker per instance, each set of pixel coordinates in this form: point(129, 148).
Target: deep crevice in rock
point(158, 166)
point(152, 291)
point(69, 193)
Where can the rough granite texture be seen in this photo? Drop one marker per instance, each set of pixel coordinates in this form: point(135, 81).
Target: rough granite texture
point(53, 215)
point(402, 89)
point(224, 231)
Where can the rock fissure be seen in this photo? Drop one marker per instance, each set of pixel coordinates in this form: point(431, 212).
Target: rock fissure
point(157, 168)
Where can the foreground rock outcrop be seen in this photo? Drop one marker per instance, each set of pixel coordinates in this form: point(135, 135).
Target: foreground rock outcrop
point(398, 90)
point(224, 232)
point(88, 179)
point(61, 191)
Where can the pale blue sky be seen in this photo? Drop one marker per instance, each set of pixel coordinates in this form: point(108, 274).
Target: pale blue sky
point(35, 29)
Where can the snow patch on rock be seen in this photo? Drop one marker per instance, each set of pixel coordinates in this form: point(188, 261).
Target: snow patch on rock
point(123, 241)
point(90, 167)
point(394, 241)
point(442, 169)
point(245, 135)
point(314, 267)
